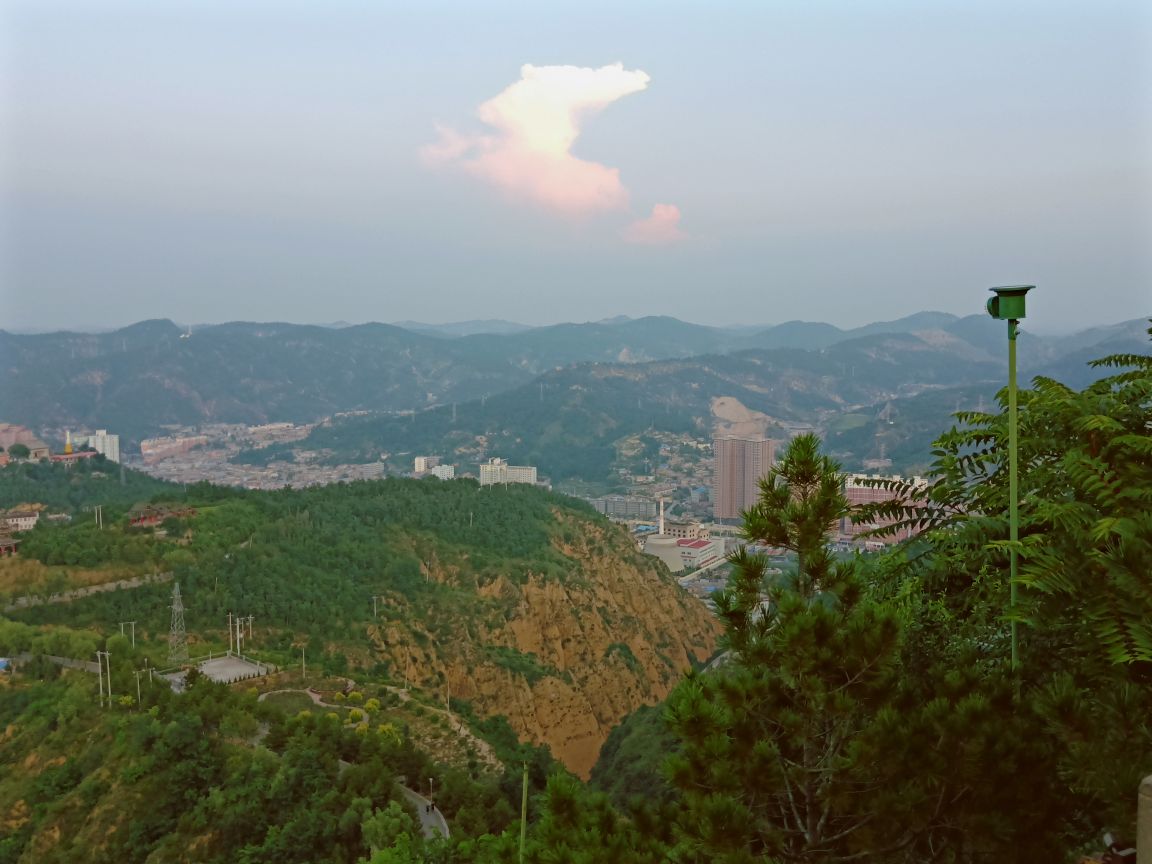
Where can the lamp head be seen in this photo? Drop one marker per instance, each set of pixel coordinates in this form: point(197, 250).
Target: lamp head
point(1008, 304)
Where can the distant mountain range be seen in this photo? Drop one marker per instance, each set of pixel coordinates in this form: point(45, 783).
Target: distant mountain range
point(490, 326)
point(613, 375)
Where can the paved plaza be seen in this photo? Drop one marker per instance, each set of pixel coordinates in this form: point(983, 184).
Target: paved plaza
point(225, 670)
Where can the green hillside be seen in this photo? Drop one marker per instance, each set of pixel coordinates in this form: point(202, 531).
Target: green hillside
point(309, 561)
point(569, 420)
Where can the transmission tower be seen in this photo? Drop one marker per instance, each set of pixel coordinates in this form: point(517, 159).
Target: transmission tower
point(177, 638)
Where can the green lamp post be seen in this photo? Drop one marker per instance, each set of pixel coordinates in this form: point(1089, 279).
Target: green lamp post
point(1008, 305)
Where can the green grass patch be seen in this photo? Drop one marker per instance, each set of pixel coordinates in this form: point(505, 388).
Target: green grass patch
point(626, 655)
point(292, 703)
point(846, 422)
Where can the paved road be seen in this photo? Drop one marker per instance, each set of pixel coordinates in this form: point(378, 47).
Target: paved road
point(30, 600)
point(432, 822)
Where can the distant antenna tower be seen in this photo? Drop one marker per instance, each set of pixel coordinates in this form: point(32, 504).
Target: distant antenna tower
point(178, 638)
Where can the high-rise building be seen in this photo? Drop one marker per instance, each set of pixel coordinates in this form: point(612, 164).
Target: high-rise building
point(740, 463)
point(107, 444)
point(499, 471)
point(423, 464)
point(858, 489)
point(444, 472)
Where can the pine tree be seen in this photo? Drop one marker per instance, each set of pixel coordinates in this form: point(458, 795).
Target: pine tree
point(779, 751)
point(821, 739)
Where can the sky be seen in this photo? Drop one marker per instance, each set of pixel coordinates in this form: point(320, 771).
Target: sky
point(723, 163)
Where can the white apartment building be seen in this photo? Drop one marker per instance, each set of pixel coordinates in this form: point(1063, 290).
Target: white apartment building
point(107, 444)
point(499, 471)
point(424, 464)
point(444, 472)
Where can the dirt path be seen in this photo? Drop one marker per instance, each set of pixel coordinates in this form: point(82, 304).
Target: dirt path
point(484, 750)
point(28, 601)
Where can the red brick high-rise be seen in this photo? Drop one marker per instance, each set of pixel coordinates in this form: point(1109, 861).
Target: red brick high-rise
point(740, 463)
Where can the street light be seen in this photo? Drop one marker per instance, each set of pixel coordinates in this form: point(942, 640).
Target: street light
point(1008, 305)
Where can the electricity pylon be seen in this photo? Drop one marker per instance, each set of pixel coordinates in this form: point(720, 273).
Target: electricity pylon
point(178, 637)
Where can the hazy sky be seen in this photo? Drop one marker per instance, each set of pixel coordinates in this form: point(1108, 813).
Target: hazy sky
point(541, 161)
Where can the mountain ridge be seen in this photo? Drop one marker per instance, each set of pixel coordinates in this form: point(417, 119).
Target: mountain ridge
point(153, 374)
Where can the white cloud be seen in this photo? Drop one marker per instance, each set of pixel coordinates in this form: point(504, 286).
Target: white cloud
point(536, 121)
point(660, 228)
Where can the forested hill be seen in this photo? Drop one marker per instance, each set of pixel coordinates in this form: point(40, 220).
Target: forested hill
point(521, 602)
point(76, 488)
point(567, 421)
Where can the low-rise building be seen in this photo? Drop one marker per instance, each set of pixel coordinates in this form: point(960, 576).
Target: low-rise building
point(444, 472)
point(150, 515)
point(625, 506)
point(698, 553)
point(155, 449)
point(10, 434)
point(686, 530)
point(20, 520)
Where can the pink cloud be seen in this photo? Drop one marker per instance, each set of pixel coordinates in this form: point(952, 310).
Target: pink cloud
point(658, 229)
point(535, 122)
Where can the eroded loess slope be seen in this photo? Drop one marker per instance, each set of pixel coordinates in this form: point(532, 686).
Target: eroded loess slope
point(564, 659)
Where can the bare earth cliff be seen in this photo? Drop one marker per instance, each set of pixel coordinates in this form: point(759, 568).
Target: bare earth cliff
point(564, 658)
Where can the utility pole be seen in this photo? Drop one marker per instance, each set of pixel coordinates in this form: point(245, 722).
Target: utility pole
point(106, 658)
point(229, 634)
point(138, 673)
point(250, 620)
point(1008, 304)
point(524, 812)
point(375, 597)
point(303, 666)
point(133, 625)
point(100, 676)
